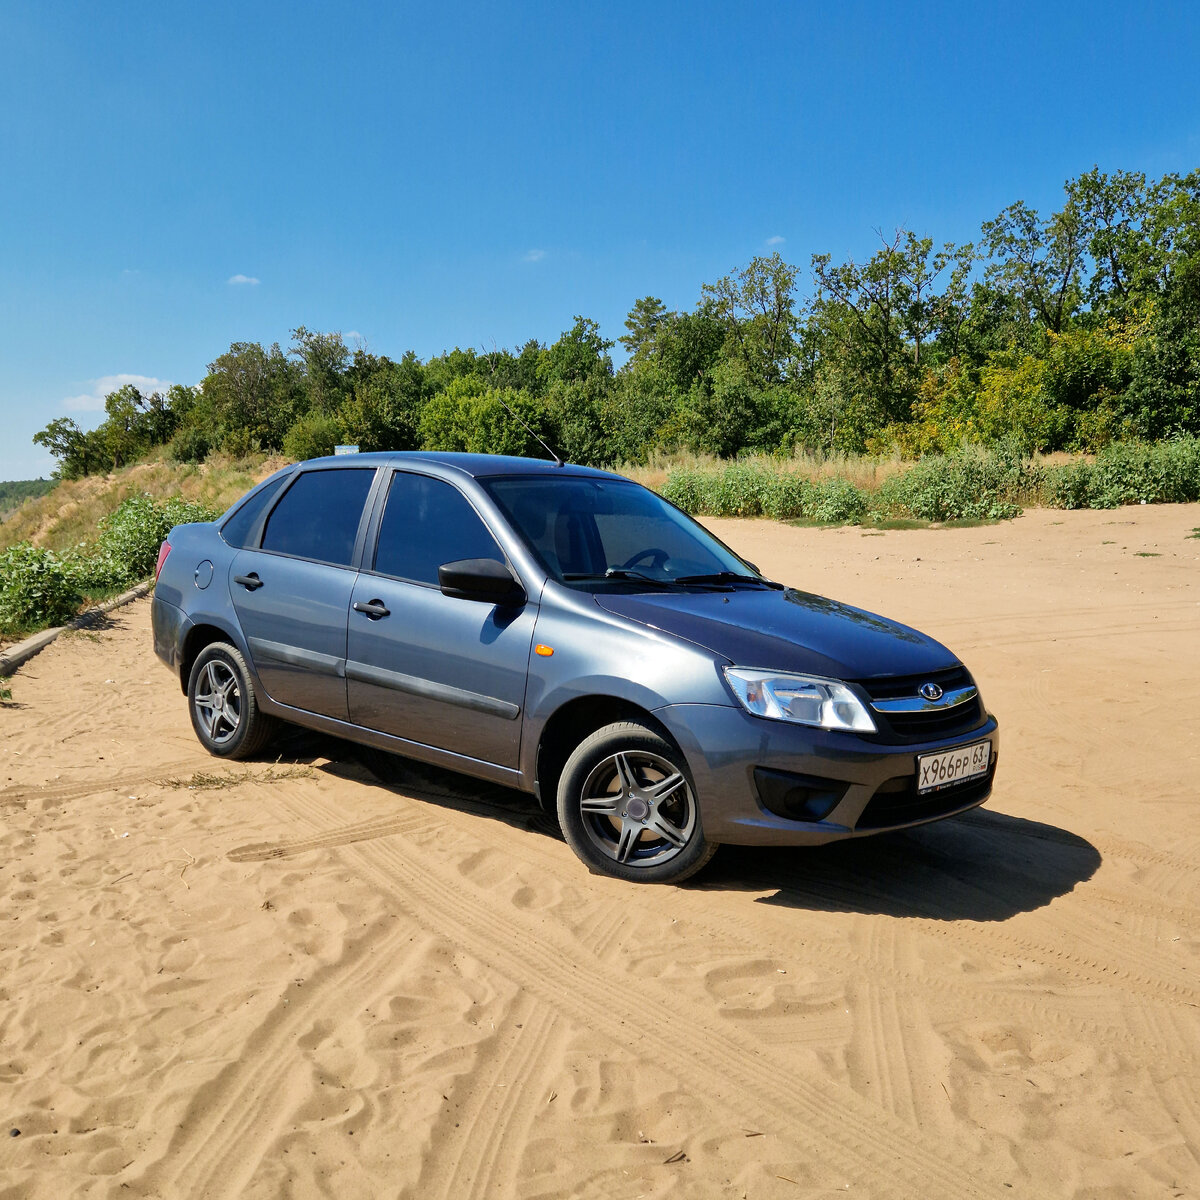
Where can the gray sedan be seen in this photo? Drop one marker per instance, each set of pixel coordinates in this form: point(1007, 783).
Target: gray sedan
point(564, 631)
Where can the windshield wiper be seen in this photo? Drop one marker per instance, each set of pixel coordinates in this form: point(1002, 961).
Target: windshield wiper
point(729, 577)
point(621, 573)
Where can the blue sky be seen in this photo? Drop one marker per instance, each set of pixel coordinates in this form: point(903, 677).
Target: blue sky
point(176, 177)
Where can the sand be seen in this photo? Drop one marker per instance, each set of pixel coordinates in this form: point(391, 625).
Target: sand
point(300, 979)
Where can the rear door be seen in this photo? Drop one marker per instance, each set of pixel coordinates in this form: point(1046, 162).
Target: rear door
point(292, 594)
point(442, 672)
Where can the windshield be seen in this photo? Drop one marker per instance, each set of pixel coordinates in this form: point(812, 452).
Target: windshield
point(589, 530)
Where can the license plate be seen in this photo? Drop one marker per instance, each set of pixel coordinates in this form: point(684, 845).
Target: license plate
point(952, 766)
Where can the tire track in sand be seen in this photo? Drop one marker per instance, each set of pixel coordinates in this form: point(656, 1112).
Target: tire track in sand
point(232, 1121)
point(502, 1100)
point(834, 1124)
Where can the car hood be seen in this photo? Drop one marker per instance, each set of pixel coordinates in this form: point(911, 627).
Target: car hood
point(786, 631)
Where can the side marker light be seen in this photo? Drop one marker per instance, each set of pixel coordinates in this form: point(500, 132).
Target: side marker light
point(543, 650)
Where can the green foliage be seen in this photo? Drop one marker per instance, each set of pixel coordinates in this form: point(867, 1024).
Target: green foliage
point(37, 588)
point(313, 436)
point(970, 484)
point(126, 549)
point(750, 490)
point(469, 417)
point(1128, 473)
point(837, 501)
point(191, 444)
point(16, 491)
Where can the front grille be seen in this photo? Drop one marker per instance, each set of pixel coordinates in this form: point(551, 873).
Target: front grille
point(897, 801)
point(928, 725)
point(892, 687)
point(932, 724)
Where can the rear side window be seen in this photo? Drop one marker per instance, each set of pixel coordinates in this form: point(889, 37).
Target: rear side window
point(428, 522)
point(237, 530)
point(318, 516)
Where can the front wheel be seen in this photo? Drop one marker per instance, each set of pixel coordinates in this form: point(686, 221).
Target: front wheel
point(224, 709)
point(628, 809)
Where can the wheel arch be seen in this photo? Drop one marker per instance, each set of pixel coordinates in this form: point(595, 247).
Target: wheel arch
point(575, 720)
point(198, 637)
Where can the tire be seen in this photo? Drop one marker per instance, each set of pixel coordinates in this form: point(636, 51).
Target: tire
point(223, 706)
point(628, 808)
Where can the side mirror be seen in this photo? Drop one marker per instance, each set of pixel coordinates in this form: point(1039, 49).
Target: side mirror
point(482, 579)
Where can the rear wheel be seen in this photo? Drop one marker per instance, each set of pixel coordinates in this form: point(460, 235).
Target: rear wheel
point(224, 709)
point(628, 809)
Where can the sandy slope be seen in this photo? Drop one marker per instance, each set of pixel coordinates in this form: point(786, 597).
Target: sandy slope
point(295, 980)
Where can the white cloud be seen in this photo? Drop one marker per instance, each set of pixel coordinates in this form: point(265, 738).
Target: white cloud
point(93, 401)
point(353, 336)
point(534, 255)
point(776, 240)
point(239, 280)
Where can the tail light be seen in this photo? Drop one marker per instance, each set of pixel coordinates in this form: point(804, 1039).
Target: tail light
point(163, 551)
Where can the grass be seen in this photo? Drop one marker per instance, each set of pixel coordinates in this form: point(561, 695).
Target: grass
point(864, 471)
point(72, 512)
point(5, 690)
point(1195, 532)
point(212, 781)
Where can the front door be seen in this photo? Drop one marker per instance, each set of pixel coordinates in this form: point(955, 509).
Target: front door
point(441, 672)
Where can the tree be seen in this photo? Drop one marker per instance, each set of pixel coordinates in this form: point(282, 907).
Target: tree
point(122, 435)
point(325, 359)
point(1041, 262)
point(580, 353)
point(756, 306)
point(872, 322)
point(646, 315)
point(68, 443)
point(253, 391)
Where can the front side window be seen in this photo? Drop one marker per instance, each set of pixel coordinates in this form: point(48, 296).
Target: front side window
point(428, 522)
point(318, 516)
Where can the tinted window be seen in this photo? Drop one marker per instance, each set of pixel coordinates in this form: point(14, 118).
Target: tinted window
point(584, 527)
point(426, 523)
point(318, 516)
point(236, 531)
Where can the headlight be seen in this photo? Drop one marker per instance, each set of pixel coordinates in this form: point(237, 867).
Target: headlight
point(802, 699)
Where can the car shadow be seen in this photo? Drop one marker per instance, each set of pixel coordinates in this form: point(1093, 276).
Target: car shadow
point(980, 866)
point(983, 865)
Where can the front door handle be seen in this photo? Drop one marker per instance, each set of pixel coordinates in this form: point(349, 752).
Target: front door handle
point(249, 582)
point(374, 609)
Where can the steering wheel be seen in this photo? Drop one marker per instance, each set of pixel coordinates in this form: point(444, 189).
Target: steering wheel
point(655, 554)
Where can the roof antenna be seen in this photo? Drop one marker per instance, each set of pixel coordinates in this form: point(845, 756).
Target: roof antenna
point(558, 462)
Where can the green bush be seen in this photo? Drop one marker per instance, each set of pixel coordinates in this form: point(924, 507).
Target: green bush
point(191, 444)
point(312, 436)
point(971, 484)
point(1128, 473)
point(1067, 486)
point(686, 489)
point(786, 496)
point(37, 588)
point(737, 491)
point(127, 549)
point(837, 500)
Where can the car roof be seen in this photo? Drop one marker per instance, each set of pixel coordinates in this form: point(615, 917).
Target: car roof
point(476, 465)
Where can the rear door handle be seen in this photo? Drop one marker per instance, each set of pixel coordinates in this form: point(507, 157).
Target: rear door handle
point(374, 609)
point(249, 582)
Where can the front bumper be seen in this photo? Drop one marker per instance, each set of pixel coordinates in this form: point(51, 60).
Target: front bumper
point(872, 787)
